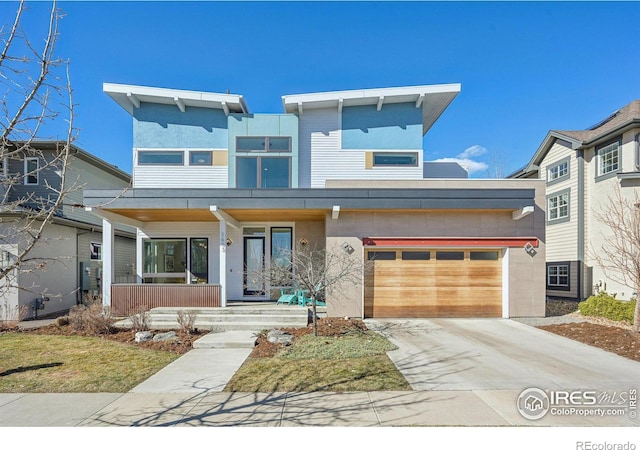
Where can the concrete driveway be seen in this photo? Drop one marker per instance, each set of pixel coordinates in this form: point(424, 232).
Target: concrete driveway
point(494, 354)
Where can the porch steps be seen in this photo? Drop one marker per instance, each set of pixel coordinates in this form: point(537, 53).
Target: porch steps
point(233, 318)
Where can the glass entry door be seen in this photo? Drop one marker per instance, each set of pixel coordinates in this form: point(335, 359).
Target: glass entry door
point(254, 265)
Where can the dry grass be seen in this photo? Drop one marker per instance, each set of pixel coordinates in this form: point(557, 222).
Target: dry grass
point(56, 363)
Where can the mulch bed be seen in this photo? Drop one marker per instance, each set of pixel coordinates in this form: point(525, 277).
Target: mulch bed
point(613, 339)
point(180, 346)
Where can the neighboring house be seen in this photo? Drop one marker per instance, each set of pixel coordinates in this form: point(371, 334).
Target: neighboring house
point(581, 170)
point(217, 190)
point(71, 245)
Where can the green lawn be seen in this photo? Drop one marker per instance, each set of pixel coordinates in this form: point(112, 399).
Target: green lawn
point(354, 362)
point(43, 363)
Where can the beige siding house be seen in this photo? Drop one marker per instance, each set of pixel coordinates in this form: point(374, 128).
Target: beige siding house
point(582, 171)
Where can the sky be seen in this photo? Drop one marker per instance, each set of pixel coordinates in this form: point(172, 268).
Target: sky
point(525, 67)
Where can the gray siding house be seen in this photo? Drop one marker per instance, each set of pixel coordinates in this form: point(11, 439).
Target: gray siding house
point(70, 250)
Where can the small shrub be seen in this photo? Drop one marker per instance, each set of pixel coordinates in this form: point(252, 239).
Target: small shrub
point(140, 319)
point(607, 306)
point(186, 320)
point(93, 319)
point(62, 321)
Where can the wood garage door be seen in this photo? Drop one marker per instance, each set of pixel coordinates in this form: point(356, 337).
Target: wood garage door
point(433, 283)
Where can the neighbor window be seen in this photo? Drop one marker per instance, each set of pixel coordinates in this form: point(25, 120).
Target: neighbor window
point(95, 251)
point(200, 158)
point(161, 158)
point(558, 275)
point(558, 206)
point(395, 159)
point(32, 170)
point(263, 144)
point(609, 158)
point(558, 171)
point(263, 172)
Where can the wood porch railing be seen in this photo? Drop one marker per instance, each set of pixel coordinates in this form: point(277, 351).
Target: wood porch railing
point(130, 298)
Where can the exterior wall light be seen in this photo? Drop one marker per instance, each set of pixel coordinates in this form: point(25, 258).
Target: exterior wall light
point(229, 242)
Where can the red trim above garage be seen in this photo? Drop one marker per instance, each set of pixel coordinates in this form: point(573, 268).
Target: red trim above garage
point(450, 242)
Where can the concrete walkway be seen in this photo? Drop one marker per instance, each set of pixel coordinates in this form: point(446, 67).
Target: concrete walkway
point(465, 372)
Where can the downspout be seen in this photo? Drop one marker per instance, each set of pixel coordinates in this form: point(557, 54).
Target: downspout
point(580, 155)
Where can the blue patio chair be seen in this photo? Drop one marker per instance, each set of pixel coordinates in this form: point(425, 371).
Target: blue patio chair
point(288, 296)
point(305, 300)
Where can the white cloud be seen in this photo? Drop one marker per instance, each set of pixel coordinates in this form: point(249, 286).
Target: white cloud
point(474, 150)
point(469, 165)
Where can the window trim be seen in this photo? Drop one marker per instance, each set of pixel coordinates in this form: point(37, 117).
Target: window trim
point(559, 287)
point(560, 178)
point(27, 171)
point(140, 152)
point(603, 176)
point(267, 140)
point(412, 154)
point(559, 219)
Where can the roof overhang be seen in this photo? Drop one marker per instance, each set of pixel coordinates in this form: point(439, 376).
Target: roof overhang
point(433, 99)
point(130, 96)
point(457, 242)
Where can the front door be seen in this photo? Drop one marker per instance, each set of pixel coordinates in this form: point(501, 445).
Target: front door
point(254, 265)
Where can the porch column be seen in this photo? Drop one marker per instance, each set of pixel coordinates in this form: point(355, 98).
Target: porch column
point(108, 247)
point(223, 263)
point(139, 256)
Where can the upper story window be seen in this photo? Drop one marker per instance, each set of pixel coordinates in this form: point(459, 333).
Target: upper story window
point(558, 171)
point(263, 172)
point(200, 158)
point(263, 144)
point(162, 158)
point(395, 159)
point(608, 159)
point(558, 206)
point(32, 170)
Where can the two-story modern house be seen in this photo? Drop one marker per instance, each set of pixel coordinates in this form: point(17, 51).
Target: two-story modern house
point(217, 190)
point(66, 262)
point(582, 170)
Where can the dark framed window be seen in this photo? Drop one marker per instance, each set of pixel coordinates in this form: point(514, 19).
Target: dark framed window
point(95, 251)
point(395, 159)
point(558, 276)
point(450, 256)
point(381, 256)
point(263, 144)
point(32, 170)
point(416, 256)
point(483, 256)
point(200, 158)
point(263, 172)
point(199, 262)
point(161, 158)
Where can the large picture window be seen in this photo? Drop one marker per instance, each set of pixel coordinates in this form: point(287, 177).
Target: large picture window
point(263, 172)
point(165, 260)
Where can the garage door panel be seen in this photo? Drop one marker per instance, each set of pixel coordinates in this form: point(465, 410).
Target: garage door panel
point(434, 288)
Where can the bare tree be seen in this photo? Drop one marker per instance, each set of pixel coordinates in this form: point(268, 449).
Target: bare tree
point(497, 163)
point(619, 256)
point(36, 105)
point(316, 271)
